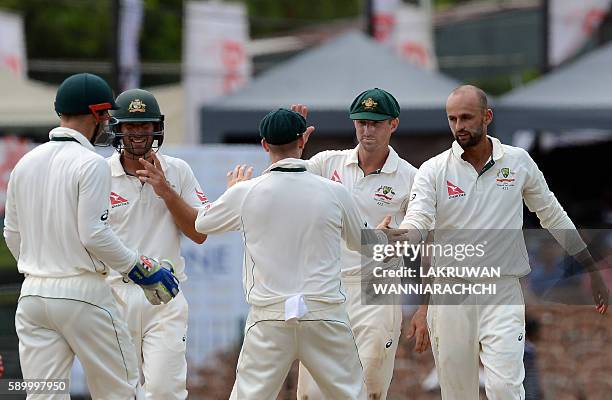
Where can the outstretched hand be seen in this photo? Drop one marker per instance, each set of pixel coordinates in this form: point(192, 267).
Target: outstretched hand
point(384, 224)
point(303, 111)
point(239, 174)
point(601, 294)
point(418, 329)
point(153, 174)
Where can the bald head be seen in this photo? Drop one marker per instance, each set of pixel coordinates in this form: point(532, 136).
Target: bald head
point(468, 115)
point(471, 92)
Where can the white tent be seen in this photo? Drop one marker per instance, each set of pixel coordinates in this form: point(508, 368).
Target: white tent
point(171, 100)
point(327, 78)
point(25, 104)
point(576, 96)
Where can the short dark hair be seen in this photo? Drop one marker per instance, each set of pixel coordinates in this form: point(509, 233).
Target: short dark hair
point(283, 148)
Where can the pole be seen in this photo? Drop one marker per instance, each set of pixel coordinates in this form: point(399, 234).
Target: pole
point(369, 17)
point(115, 80)
point(545, 36)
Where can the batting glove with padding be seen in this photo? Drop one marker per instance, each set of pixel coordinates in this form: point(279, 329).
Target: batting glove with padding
point(156, 278)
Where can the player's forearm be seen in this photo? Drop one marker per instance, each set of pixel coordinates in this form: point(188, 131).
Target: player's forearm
point(412, 232)
point(586, 260)
point(101, 242)
point(569, 239)
point(184, 215)
point(425, 280)
point(13, 242)
point(423, 306)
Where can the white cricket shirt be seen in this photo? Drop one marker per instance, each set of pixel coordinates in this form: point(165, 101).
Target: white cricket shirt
point(450, 194)
point(292, 223)
point(140, 217)
point(56, 222)
point(384, 192)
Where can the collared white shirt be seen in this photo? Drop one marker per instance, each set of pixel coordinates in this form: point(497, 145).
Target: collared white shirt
point(384, 192)
point(292, 223)
point(140, 217)
point(449, 194)
point(56, 221)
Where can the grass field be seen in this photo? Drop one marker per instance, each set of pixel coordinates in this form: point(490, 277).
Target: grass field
point(6, 258)
point(8, 266)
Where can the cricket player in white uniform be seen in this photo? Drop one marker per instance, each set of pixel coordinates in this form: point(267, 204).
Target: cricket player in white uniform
point(153, 199)
point(379, 182)
point(480, 184)
point(56, 227)
point(292, 224)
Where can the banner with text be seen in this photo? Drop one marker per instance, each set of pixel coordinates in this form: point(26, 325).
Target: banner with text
point(12, 45)
point(214, 57)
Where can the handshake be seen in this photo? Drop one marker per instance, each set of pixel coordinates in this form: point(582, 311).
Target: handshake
point(156, 279)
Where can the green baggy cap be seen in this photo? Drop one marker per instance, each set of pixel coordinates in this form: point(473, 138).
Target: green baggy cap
point(374, 105)
point(282, 126)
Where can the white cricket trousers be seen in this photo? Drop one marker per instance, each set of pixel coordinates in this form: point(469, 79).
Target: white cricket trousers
point(377, 330)
point(322, 340)
point(492, 327)
point(58, 318)
point(159, 336)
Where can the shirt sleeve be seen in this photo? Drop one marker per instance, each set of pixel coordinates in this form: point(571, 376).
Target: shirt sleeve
point(11, 221)
point(316, 163)
point(539, 199)
point(92, 216)
point(191, 191)
point(223, 214)
point(352, 222)
point(398, 218)
point(421, 212)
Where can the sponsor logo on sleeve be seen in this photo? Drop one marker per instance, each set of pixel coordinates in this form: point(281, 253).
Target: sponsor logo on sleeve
point(201, 196)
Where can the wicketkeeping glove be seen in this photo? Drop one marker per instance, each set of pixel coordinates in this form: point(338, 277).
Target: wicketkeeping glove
point(156, 278)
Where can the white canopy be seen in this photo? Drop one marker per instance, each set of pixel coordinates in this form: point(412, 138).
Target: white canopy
point(25, 103)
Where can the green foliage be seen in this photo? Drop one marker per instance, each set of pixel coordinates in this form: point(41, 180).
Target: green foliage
point(161, 36)
point(273, 16)
point(443, 4)
point(82, 29)
point(502, 84)
point(65, 28)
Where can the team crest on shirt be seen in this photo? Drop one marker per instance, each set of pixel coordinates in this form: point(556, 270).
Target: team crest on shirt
point(384, 195)
point(505, 178)
point(117, 201)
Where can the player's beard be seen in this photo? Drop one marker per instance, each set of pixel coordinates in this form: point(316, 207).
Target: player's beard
point(475, 137)
point(135, 153)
